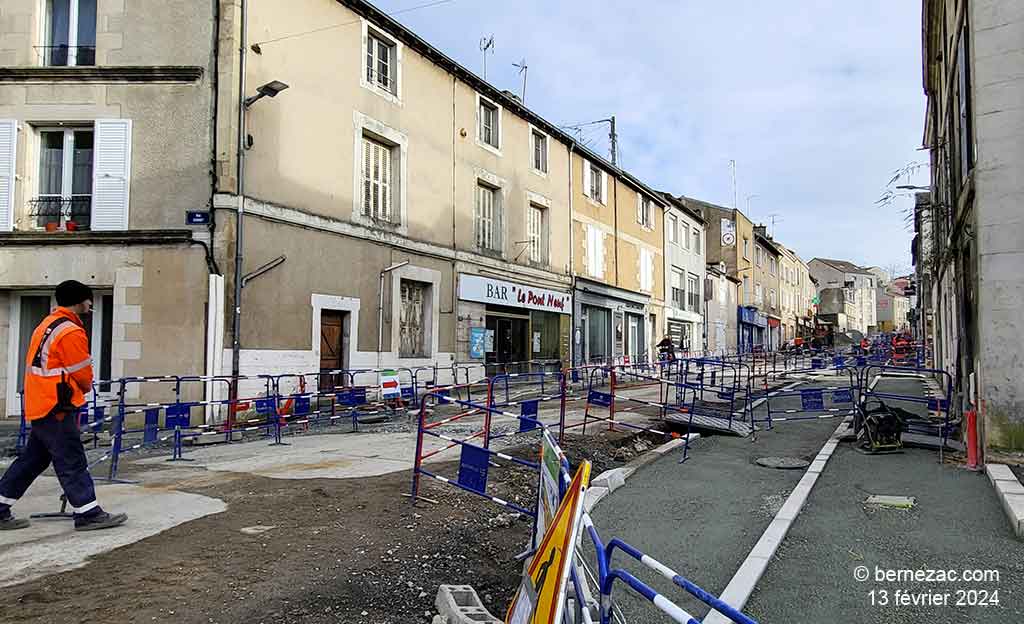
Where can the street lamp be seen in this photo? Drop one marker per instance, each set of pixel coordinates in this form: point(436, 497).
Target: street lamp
point(271, 89)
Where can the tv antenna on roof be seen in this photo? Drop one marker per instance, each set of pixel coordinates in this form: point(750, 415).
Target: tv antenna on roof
point(486, 43)
point(522, 71)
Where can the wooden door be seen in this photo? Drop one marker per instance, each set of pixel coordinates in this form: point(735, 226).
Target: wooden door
point(332, 347)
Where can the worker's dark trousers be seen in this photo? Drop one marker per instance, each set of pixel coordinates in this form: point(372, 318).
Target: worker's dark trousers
point(58, 441)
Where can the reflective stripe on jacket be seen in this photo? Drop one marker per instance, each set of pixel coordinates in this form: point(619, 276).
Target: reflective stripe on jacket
point(59, 349)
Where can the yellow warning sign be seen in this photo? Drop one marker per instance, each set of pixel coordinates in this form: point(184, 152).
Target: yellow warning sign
point(541, 599)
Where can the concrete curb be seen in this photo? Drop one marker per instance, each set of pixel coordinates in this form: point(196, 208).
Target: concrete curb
point(739, 589)
point(1010, 493)
point(610, 480)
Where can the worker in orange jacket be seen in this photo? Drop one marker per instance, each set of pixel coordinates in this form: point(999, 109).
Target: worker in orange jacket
point(58, 375)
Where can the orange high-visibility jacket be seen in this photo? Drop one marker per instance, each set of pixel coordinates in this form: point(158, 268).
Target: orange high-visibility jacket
point(59, 348)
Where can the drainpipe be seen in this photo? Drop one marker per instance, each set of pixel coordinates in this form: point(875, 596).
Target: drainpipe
point(380, 309)
point(239, 234)
point(572, 269)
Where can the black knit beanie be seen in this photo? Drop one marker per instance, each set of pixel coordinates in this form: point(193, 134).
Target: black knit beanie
point(70, 293)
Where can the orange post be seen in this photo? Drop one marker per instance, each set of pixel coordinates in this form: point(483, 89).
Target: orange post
point(972, 440)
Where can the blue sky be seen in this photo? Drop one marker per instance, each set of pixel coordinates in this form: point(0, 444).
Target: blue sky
point(818, 102)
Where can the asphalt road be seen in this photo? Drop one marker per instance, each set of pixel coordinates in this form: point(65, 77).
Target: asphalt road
point(703, 517)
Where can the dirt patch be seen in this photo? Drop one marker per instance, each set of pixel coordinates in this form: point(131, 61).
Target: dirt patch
point(352, 551)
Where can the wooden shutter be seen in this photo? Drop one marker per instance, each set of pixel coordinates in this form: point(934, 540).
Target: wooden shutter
point(8, 156)
point(112, 158)
point(586, 178)
point(367, 177)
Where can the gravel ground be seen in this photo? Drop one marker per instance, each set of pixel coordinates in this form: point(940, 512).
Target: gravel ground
point(703, 517)
point(957, 523)
point(337, 550)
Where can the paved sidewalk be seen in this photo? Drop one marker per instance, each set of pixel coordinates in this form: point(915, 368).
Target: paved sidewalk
point(956, 523)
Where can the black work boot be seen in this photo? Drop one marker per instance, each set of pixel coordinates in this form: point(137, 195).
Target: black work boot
point(99, 520)
point(10, 523)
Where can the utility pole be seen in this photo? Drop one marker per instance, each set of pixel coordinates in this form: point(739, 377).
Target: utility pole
point(613, 137)
point(735, 197)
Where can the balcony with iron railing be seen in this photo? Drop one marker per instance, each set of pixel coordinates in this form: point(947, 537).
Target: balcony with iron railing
point(54, 213)
point(64, 55)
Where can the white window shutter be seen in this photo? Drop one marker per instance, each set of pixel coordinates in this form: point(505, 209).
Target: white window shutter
point(8, 156)
point(604, 188)
point(112, 159)
point(640, 209)
point(599, 256)
point(586, 178)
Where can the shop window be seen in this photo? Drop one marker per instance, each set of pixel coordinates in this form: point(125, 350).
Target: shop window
point(413, 319)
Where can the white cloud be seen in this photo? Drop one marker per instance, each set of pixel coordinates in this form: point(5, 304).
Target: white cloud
point(817, 101)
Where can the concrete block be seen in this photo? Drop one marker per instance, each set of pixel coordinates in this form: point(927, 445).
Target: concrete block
point(460, 605)
point(1013, 504)
point(593, 496)
point(771, 538)
point(817, 466)
point(740, 587)
point(668, 446)
point(612, 479)
point(999, 472)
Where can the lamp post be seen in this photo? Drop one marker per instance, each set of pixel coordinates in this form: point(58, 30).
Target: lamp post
point(270, 89)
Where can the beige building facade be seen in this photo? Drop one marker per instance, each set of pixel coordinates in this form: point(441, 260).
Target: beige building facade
point(95, 183)
point(618, 263)
point(419, 210)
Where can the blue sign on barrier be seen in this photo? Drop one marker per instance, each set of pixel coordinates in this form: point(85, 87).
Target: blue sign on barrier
point(301, 406)
point(842, 396)
point(817, 363)
point(935, 405)
point(177, 416)
point(408, 392)
point(442, 396)
point(352, 396)
point(152, 425)
point(838, 361)
point(603, 399)
point(265, 406)
point(862, 361)
point(812, 400)
point(528, 416)
point(473, 468)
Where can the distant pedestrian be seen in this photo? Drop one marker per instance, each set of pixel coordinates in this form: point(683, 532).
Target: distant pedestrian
point(58, 375)
point(666, 350)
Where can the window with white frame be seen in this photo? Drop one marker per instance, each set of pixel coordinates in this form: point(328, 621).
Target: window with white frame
point(759, 256)
point(70, 35)
point(771, 297)
point(379, 181)
point(644, 211)
point(64, 192)
point(696, 241)
point(413, 319)
point(672, 226)
point(536, 233)
point(774, 265)
point(646, 270)
point(684, 236)
point(490, 118)
point(595, 252)
point(540, 151)
point(722, 285)
point(746, 249)
point(381, 63)
point(758, 294)
point(488, 217)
